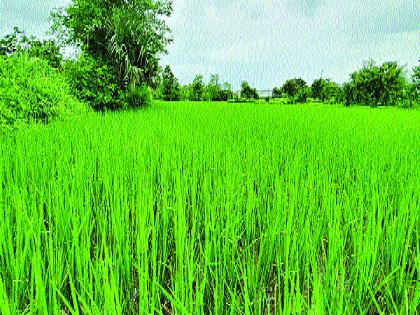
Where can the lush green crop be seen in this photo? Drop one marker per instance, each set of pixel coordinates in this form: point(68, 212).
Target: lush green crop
point(213, 208)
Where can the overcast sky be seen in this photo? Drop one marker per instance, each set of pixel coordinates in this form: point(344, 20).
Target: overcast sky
point(267, 41)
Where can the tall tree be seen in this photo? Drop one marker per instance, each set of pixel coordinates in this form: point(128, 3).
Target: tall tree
point(247, 92)
point(214, 89)
point(129, 35)
point(293, 86)
point(197, 88)
point(170, 86)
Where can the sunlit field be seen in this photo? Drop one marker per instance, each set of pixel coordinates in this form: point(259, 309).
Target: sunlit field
point(215, 208)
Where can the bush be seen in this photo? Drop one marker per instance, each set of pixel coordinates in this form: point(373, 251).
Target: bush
point(140, 96)
point(18, 42)
point(95, 83)
point(31, 90)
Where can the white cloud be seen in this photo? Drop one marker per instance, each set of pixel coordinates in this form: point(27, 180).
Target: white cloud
point(266, 42)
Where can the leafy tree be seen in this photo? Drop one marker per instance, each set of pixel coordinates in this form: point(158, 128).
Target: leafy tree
point(318, 88)
point(19, 42)
point(214, 89)
point(197, 88)
point(297, 90)
point(326, 91)
point(126, 35)
point(416, 82)
point(227, 91)
point(291, 87)
point(301, 96)
point(277, 92)
point(376, 85)
point(247, 92)
point(170, 86)
point(184, 92)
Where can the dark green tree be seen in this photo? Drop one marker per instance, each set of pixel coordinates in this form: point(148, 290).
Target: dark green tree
point(197, 88)
point(318, 87)
point(170, 86)
point(376, 85)
point(416, 80)
point(277, 92)
point(214, 89)
point(326, 90)
point(248, 92)
point(291, 87)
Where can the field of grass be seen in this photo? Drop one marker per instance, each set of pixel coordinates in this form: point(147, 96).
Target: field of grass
point(213, 208)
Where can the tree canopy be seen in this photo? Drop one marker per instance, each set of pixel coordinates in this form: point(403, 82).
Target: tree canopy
point(376, 85)
point(128, 34)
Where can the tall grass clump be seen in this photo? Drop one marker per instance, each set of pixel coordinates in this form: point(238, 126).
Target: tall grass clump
point(213, 208)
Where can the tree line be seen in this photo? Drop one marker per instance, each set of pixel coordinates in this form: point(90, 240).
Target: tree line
point(373, 85)
point(120, 43)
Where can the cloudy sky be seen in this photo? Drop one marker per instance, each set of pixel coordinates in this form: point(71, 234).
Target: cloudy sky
point(267, 41)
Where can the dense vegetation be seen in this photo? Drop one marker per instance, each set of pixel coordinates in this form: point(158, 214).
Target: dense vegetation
point(32, 91)
point(123, 38)
point(213, 208)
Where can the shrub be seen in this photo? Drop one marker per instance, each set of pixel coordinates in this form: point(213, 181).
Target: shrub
point(31, 90)
point(140, 96)
point(95, 83)
point(18, 42)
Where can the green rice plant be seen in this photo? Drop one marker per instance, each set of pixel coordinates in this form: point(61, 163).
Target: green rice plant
point(198, 208)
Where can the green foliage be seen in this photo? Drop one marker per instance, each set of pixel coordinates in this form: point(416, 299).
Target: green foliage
point(376, 85)
point(95, 83)
point(197, 88)
point(300, 96)
point(326, 91)
point(214, 90)
point(247, 92)
point(170, 88)
point(415, 88)
point(128, 34)
point(18, 42)
point(138, 96)
point(227, 91)
point(294, 86)
point(318, 88)
point(32, 91)
point(277, 92)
